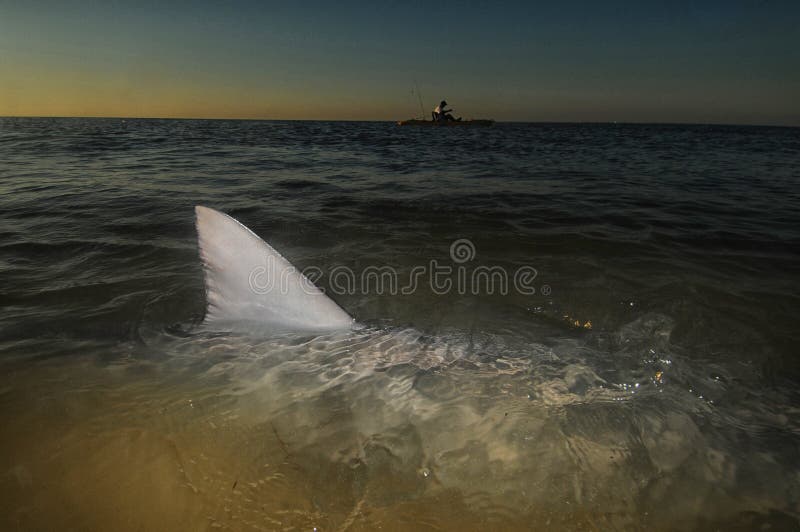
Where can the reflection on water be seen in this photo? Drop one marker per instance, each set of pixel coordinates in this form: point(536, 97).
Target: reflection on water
point(654, 388)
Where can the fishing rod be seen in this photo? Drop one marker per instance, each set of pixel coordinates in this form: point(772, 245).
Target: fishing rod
point(421, 107)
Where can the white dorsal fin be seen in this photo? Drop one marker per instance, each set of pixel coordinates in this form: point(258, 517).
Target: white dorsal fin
point(249, 282)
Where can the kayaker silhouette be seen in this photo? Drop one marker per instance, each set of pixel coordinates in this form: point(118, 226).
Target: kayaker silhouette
point(442, 114)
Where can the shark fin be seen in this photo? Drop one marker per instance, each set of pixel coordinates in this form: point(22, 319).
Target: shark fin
point(248, 282)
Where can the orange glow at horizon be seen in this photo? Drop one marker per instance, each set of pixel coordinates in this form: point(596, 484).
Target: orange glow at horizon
point(61, 86)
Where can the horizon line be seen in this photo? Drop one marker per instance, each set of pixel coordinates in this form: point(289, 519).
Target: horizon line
point(587, 122)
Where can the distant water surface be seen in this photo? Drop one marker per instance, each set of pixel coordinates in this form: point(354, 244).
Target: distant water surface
point(649, 383)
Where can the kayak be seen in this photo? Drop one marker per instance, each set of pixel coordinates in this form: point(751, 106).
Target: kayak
point(446, 123)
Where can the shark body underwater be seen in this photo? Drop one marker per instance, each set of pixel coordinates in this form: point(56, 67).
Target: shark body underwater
point(512, 424)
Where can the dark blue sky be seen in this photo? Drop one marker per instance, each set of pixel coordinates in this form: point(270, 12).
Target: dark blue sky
point(732, 62)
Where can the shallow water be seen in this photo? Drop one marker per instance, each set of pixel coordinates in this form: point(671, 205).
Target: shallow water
point(650, 382)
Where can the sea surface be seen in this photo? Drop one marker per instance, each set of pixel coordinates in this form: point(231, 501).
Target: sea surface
point(643, 375)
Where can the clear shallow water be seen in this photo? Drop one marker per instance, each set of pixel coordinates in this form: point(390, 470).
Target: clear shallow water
point(653, 386)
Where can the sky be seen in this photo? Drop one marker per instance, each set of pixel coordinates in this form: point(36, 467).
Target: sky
point(571, 61)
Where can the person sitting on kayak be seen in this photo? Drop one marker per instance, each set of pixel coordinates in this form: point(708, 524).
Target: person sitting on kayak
point(441, 114)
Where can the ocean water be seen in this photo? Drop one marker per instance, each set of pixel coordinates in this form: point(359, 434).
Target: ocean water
point(642, 374)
